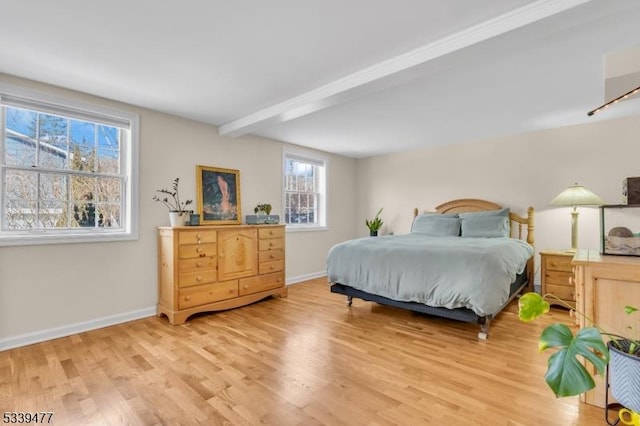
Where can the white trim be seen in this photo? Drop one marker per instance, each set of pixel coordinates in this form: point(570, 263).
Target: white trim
point(322, 161)
point(79, 327)
point(352, 85)
point(305, 277)
point(129, 162)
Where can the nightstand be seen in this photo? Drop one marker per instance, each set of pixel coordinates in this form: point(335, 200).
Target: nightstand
point(556, 276)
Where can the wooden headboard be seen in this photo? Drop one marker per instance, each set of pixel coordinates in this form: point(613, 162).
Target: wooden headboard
point(469, 205)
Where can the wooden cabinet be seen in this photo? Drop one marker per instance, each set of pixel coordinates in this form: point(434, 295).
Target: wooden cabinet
point(556, 276)
point(604, 286)
point(211, 268)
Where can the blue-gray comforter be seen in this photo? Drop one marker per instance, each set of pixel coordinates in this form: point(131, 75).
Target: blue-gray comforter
point(449, 272)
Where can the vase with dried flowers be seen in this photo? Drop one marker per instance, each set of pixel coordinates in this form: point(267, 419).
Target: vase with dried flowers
point(178, 213)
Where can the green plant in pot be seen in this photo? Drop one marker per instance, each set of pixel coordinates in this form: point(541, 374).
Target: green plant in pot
point(374, 224)
point(178, 213)
point(263, 208)
point(566, 375)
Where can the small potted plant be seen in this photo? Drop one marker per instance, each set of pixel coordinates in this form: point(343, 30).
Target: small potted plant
point(374, 224)
point(178, 213)
point(566, 375)
point(262, 215)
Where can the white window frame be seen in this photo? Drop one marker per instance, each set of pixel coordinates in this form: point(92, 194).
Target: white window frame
point(129, 168)
point(323, 162)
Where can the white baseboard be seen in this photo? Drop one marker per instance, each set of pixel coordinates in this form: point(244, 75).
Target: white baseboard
point(305, 277)
point(67, 330)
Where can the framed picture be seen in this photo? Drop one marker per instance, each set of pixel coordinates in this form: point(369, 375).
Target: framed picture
point(218, 195)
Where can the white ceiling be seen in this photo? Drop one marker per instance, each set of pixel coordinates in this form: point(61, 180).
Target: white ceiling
point(355, 77)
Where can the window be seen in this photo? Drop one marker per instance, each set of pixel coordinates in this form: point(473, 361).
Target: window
point(304, 191)
point(66, 171)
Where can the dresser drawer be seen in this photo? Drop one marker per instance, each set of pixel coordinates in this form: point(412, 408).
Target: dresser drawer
point(270, 255)
point(197, 264)
point(268, 267)
point(563, 292)
point(190, 251)
point(264, 233)
point(196, 237)
point(203, 294)
point(558, 278)
point(196, 278)
point(271, 244)
point(261, 283)
point(558, 263)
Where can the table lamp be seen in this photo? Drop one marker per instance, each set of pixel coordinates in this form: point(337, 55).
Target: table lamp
point(576, 195)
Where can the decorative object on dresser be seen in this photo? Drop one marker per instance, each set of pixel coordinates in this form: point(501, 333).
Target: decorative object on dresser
point(218, 195)
point(574, 196)
point(556, 276)
point(439, 266)
point(212, 268)
point(263, 215)
point(374, 224)
point(620, 230)
point(178, 214)
point(607, 287)
point(631, 190)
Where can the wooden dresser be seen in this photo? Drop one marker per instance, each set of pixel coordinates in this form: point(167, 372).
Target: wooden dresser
point(212, 268)
point(556, 276)
point(604, 286)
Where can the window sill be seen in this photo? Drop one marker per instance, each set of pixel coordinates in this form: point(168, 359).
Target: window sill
point(42, 239)
point(305, 228)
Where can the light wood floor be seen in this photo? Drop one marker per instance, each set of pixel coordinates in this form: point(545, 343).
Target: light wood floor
point(304, 360)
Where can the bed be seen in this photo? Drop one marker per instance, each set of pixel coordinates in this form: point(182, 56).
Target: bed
point(466, 261)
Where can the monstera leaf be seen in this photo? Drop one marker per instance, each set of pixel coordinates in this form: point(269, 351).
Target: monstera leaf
point(531, 306)
point(566, 376)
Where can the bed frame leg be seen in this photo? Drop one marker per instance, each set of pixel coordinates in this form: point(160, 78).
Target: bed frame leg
point(349, 300)
point(483, 334)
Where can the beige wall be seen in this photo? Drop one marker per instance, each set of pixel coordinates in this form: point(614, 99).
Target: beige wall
point(53, 288)
point(516, 171)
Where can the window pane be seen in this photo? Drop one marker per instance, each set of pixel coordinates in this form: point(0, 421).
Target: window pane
point(53, 187)
point(20, 214)
point(20, 145)
point(109, 190)
point(52, 214)
point(109, 215)
point(21, 121)
point(21, 185)
point(108, 161)
point(84, 214)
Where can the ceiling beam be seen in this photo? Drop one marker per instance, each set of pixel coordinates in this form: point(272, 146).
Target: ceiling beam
point(364, 81)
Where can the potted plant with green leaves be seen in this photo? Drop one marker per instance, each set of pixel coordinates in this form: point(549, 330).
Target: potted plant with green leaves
point(262, 215)
point(374, 224)
point(178, 213)
point(566, 375)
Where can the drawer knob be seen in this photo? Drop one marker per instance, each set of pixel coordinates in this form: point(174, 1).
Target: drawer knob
point(554, 264)
point(246, 286)
point(198, 278)
point(199, 250)
point(187, 298)
point(198, 236)
point(199, 264)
